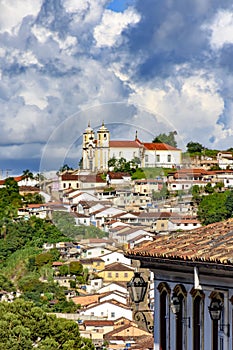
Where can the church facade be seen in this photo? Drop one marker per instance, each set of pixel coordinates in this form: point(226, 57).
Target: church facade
point(98, 149)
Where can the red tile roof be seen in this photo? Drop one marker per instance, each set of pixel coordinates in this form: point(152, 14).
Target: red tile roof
point(120, 144)
point(69, 177)
point(212, 244)
point(159, 147)
point(118, 267)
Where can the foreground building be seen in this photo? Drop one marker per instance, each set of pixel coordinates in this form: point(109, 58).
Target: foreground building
point(193, 287)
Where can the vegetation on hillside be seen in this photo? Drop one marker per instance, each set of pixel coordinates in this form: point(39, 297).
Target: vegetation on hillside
point(65, 222)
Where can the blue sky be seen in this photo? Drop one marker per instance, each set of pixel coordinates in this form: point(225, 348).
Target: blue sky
point(154, 66)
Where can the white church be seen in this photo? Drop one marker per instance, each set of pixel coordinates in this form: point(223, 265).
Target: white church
point(98, 149)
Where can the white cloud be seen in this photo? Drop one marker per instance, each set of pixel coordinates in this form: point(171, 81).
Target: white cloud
point(191, 105)
point(221, 29)
point(12, 13)
point(108, 32)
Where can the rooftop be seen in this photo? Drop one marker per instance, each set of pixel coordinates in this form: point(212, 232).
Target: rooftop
point(212, 244)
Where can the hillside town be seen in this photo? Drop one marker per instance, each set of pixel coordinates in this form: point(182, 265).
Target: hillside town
point(132, 214)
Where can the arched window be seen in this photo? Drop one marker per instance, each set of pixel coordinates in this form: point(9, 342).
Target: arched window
point(181, 293)
point(164, 291)
point(219, 297)
point(198, 309)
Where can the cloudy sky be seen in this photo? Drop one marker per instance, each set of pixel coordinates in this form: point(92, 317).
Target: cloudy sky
point(152, 66)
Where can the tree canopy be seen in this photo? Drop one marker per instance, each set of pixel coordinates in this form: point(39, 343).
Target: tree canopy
point(166, 138)
point(215, 207)
point(193, 147)
point(25, 327)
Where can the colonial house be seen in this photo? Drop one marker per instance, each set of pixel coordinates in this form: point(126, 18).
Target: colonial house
point(146, 186)
point(114, 286)
point(116, 256)
point(226, 177)
point(193, 287)
point(185, 223)
point(93, 264)
point(38, 210)
point(72, 180)
point(126, 336)
point(117, 272)
point(81, 219)
point(109, 310)
point(98, 149)
point(225, 160)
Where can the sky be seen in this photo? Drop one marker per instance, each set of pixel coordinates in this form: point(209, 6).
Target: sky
point(153, 66)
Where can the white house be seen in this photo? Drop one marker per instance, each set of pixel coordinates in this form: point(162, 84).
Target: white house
point(109, 309)
point(161, 155)
point(185, 224)
point(117, 256)
point(193, 287)
point(94, 252)
point(226, 178)
point(225, 160)
point(113, 286)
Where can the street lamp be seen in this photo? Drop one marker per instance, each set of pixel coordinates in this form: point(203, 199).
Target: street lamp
point(175, 304)
point(215, 309)
point(137, 287)
point(176, 308)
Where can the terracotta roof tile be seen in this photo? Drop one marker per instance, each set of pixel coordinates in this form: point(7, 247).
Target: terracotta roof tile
point(133, 144)
point(159, 147)
point(212, 244)
point(118, 267)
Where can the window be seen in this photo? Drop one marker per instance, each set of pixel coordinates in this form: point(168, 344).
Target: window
point(169, 158)
point(120, 154)
point(109, 274)
point(112, 314)
point(117, 274)
point(77, 185)
point(64, 185)
point(163, 320)
point(158, 158)
point(125, 274)
point(196, 323)
point(146, 158)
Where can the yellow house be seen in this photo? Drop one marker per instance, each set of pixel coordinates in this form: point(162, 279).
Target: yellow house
point(117, 272)
point(93, 264)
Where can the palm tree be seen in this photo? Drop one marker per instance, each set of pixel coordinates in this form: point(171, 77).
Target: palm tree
point(27, 174)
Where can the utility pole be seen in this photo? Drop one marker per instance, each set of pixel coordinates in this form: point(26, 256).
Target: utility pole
point(7, 172)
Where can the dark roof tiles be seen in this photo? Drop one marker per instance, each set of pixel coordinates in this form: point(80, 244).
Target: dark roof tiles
point(212, 243)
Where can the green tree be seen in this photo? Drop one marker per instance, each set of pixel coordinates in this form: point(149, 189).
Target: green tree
point(64, 270)
point(209, 188)
point(25, 327)
point(215, 207)
point(76, 268)
point(166, 138)
point(65, 167)
point(6, 284)
point(193, 147)
point(162, 194)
